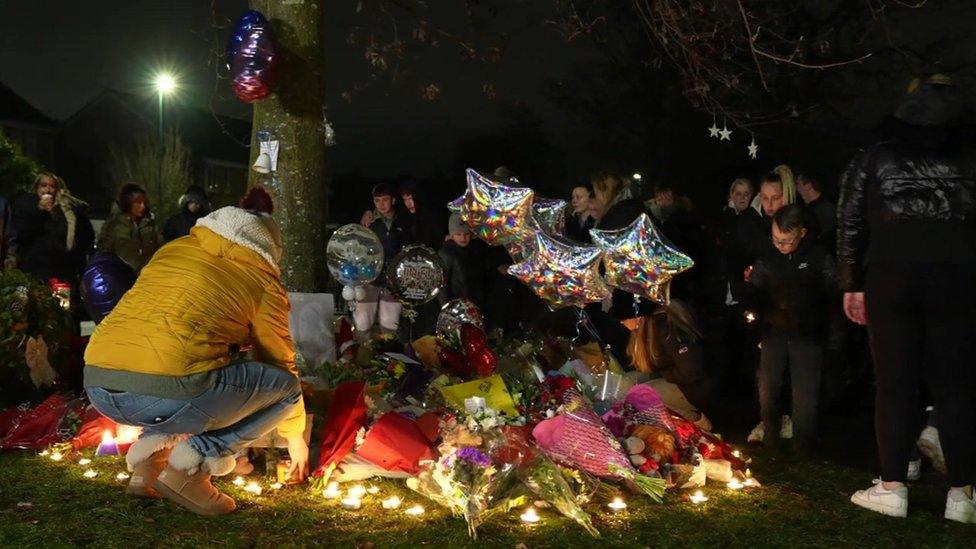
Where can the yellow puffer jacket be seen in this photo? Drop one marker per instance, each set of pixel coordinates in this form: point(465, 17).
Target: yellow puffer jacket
point(200, 297)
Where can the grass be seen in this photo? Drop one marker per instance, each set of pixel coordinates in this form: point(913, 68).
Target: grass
point(802, 504)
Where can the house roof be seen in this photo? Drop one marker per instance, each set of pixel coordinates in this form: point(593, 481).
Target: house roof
point(209, 135)
point(16, 108)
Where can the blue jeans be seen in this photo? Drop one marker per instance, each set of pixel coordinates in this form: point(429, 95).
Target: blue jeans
point(246, 402)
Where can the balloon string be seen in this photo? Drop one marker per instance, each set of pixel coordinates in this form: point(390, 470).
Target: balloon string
point(585, 322)
point(637, 301)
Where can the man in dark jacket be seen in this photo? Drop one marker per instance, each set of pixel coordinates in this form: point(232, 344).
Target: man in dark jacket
point(393, 236)
point(906, 249)
point(193, 206)
point(791, 286)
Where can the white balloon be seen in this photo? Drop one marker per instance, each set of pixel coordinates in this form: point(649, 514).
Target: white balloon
point(348, 293)
point(360, 293)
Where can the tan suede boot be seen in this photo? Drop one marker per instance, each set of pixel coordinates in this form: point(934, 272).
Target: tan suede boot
point(145, 473)
point(193, 492)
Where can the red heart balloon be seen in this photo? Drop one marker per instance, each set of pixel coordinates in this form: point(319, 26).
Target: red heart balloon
point(473, 339)
point(454, 362)
point(483, 361)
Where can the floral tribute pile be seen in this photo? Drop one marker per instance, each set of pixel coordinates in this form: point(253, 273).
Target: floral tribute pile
point(480, 430)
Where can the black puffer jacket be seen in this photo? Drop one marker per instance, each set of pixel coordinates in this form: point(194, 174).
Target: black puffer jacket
point(910, 198)
point(465, 271)
point(792, 292)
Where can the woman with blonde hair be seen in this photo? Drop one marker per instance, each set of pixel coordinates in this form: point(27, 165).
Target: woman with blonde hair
point(53, 234)
point(615, 205)
point(668, 344)
point(778, 189)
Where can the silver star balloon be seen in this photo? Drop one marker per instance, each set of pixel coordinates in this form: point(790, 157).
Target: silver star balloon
point(639, 260)
point(563, 274)
point(550, 215)
point(497, 214)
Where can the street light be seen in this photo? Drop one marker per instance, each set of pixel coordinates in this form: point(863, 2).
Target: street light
point(165, 84)
point(637, 176)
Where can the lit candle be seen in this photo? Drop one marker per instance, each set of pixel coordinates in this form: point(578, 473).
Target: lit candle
point(108, 446)
point(84, 461)
point(56, 456)
point(44, 453)
point(617, 505)
point(254, 488)
point(351, 503)
point(750, 317)
point(332, 491)
point(750, 482)
point(357, 491)
point(734, 484)
point(736, 454)
point(698, 497)
point(373, 490)
point(90, 473)
point(530, 516)
point(415, 511)
point(391, 502)
point(239, 481)
point(276, 486)
point(122, 476)
point(748, 473)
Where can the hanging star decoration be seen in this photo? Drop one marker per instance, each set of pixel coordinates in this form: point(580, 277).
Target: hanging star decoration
point(497, 214)
point(725, 134)
point(713, 130)
point(561, 273)
point(753, 149)
point(639, 260)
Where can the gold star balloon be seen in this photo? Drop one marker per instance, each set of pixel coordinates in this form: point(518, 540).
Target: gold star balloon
point(639, 260)
point(563, 274)
point(496, 213)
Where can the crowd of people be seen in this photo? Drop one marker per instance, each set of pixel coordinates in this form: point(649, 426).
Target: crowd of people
point(783, 277)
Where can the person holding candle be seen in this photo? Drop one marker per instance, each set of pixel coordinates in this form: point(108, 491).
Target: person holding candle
point(168, 358)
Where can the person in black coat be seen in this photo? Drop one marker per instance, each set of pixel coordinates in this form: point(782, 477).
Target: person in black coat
point(791, 288)
point(465, 268)
point(53, 234)
point(193, 206)
point(906, 253)
point(425, 224)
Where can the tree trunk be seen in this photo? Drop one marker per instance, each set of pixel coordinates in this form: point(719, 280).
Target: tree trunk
point(294, 114)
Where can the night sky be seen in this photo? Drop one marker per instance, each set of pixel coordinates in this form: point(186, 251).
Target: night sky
point(59, 55)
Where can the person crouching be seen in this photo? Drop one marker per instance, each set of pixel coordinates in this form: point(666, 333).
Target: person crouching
point(166, 358)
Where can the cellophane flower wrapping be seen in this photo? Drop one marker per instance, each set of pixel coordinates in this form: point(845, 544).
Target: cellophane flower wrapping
point(546, 481)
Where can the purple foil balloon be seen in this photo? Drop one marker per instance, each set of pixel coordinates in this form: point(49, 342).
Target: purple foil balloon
point(104, 282)
point(254, 60)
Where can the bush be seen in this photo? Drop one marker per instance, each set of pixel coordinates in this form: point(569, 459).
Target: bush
point(28, 309)
point(16, 170)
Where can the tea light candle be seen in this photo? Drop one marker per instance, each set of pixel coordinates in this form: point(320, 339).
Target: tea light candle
point(734, 484)
point(750, 482)
point(276, 486)
point(84, 461)
point(122, 476)
point(736, 454)
point(373, 490)
point(351, 503)
point(56, 456)
point(332, 491)
point(617, 505)
point(391, 502)
point(108, 446)
point(91, 473)
point(357, 491)
point(415, 511)
point(750, 317)
point(748, 473)
point(239, 481)
point(254, 488)
point(530, 516)
point(698, 497)
point(44, 453)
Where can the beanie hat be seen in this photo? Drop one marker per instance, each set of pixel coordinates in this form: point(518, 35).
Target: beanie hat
point(456, 226)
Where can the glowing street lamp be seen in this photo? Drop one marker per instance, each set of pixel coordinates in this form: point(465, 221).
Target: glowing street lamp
point(165, 85)
point(637, 176)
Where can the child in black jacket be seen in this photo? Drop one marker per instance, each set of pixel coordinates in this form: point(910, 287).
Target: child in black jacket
point(792, 285)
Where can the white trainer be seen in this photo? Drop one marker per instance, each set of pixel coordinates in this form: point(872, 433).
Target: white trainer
point(928, 444)
point(960, 508)
point(915, 470)
point(757, 434)
point(786, 427)
point(893, 503)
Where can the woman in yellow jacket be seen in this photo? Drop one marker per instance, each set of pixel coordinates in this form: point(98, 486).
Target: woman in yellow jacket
point(165, 359)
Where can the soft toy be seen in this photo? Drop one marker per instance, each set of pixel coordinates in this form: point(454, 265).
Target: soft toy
point(649, 446)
